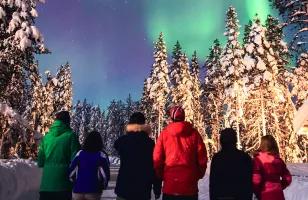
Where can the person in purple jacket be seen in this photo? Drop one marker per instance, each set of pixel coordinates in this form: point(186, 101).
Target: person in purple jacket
point(89, 170)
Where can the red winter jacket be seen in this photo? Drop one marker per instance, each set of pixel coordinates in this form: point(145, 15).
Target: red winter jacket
point(180, 159)
point(270, 176)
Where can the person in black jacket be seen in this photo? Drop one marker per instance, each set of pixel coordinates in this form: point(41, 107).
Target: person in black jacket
point(231, 170)
point(136, 174)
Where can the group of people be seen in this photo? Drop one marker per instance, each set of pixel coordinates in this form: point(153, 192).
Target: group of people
point(173, 166)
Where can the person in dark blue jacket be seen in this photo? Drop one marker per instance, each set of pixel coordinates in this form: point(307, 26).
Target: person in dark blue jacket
point(89, 170)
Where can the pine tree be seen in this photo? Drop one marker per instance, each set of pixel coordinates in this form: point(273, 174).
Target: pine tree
point(63, 91)
point(85, 121)
point(115, 124)
point(213, 91)
point(269, 109)
point(295, 15)
point(232, 66)
point(300, 80)
point(95, 115)
point(48, 102)
point(182, 82)
point(19, 41)
point(146, 101)
point(159, 85)
point(197, 93)
point(76, 117)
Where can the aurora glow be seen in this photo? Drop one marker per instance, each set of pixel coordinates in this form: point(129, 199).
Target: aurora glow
point(197, 23)
point(110, 42)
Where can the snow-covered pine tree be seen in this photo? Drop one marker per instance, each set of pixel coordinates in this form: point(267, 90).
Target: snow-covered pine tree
point(101, 128)
point(175, 72)
point(95, 115)
point(231, 62)
point(19, 41)
point(300, 80)
point(115, 124)
point(129, 107)
point(212, 97)
point(63, 91)
point(48, 102)
point(198, 119)
point(85, 121)
point(76, 117)
point(159, 85)
point(295, 15)
point(285, 107)
point(146, 101)
point(36, 107)
point(268, 109)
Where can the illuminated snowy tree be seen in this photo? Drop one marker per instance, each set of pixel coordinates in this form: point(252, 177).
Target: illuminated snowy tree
point(159, 86)
point(213, 96)
point(232, 66)
point(198, 119)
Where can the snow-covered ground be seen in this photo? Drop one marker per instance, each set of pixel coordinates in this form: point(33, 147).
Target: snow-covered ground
point(20, 179)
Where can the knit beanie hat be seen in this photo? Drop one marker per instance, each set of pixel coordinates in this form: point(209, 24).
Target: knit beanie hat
point(137, 118)
point(177, 114)
point(64, 116)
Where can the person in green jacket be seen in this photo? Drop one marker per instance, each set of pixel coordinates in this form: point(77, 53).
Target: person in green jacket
point(56, 150)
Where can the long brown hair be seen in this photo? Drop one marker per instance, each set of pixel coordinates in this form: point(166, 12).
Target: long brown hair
point(269, 144)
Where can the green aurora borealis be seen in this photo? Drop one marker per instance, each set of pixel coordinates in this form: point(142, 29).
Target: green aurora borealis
point(196, 23)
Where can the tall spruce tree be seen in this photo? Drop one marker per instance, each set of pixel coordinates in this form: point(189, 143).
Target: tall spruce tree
point(159, 85)
point(198, 119)
point(295, 16)
point(232, 66)
point(213, 92)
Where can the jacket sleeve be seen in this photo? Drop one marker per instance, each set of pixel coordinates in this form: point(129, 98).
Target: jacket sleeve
point(159, 156)
point(157, 182)
point(104, 168)
point(75, 146)
point(117, 145)
point(73, 168)
point(286, 177)
point(213, 175)
point(246, 188)
point(257, 176)
point(41, 154)
point(202, 156)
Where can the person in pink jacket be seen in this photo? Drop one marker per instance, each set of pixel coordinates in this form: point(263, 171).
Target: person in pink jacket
point(270, 174)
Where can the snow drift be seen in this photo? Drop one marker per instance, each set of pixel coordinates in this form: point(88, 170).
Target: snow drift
point(20, 180)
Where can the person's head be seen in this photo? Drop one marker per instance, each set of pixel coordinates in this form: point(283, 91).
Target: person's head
point(228, 138)
point(93, 142)
point(269, 144)
point(177, 114)
point(64, 116)
point(137, 118)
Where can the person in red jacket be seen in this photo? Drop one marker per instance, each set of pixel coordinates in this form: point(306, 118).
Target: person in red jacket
point(270, 174)
point(180, 158)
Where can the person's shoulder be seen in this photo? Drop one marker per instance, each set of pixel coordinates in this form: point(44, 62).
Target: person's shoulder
point(103, 154)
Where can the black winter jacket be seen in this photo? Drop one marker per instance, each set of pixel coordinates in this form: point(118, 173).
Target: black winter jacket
point(231, 175)
point(136, 175)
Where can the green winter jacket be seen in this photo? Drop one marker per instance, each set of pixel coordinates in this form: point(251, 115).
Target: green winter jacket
point(57, 149)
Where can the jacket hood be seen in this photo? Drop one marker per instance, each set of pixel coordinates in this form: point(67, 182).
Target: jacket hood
point(58, 128)
point(138, 128)
point(180, 128)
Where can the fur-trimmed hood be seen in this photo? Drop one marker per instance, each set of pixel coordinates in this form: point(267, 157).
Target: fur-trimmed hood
point(138, 128)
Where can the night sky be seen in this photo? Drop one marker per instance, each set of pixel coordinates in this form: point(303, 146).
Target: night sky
point(109, 43)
